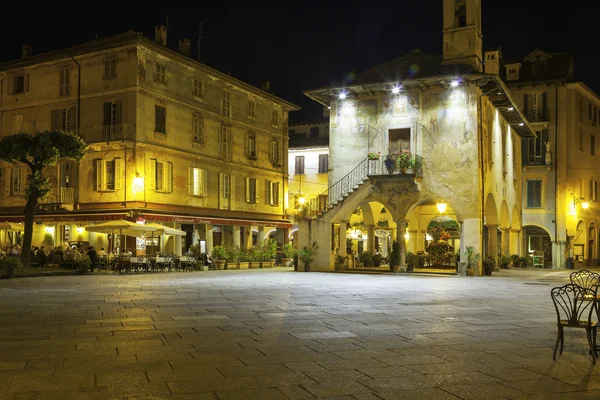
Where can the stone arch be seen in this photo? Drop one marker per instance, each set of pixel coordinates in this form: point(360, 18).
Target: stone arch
point(429, 201)
point(505, 220)
point(580, 242)
point(367, 213)
point(537, 241)
point(491, 211)
point(591, 241)
point(541, 227)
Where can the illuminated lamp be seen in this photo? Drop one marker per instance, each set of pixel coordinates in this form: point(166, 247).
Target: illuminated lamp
point(302, 200)
point(79, 229)
point(342, 95)
point(138, 182)
point(407, 236)
point(454, 84)
point(441, 207)
point(521, 124)
point(396, 90)
point(510, 108)
point(585, 205)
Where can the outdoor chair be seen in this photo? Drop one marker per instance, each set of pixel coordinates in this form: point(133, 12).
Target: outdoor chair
point(584, 278)
point(574, 306)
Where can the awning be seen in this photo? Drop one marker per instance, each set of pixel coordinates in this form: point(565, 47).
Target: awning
point(213, 221)
point(11, 226)
point(58, 218)
point(123, 227)
point(165, 230)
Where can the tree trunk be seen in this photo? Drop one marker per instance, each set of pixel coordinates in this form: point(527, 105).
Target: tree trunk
point(28, 231)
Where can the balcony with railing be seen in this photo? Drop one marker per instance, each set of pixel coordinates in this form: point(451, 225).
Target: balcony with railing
point(401, 166)
point(538, 115)
point(60, 196)
point(108, 133)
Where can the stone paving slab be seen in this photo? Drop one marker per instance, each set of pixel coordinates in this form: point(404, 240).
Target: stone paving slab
point(276, 334)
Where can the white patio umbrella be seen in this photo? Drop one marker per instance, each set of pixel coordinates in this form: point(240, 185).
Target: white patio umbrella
point(166, 230)
point(124, 227)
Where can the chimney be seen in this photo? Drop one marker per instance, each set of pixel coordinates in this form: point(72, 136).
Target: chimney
point(492, 61)
point(27, 50)
point(160, 35)
point(512, 71)
point(185, 46)
point(266, 86)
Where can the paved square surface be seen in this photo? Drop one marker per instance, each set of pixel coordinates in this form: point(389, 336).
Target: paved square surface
point(275, 334)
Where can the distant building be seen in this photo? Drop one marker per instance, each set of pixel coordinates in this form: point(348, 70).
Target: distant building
point(171, 141)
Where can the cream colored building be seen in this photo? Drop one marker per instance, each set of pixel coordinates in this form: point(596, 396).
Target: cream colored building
point(170, 140)
point(458, 128)
point(560, 165)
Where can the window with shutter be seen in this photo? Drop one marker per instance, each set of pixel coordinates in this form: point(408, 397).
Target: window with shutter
point(274, 155)
point(118, 174)
point(534, 194)
point(274, 193)
point(251, 193)
point(17, 181)
point(160, 73)
point(224, 191)
point(152, 168)
point(160, 119)
point(99, 167)
point(251, 108)
point(109, 175)
point(110, 67)
point(197, 87)
point(65, 81)
point(275, 118)
point(226, 104)
point(198, 129)
point(169, 177)
point(226, 143)
point(251, 146)
point(323, 163)
point(197, 182)
point(19, 84)
point(299, 167)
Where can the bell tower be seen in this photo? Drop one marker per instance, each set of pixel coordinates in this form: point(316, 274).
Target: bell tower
point(462, 33)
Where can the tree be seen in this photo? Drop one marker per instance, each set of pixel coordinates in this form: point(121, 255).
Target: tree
point(38, 151)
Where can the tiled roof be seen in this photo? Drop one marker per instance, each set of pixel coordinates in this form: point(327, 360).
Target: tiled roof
point(540, 66)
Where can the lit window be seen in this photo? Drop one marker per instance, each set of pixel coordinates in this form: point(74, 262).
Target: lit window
point(274, 193)
point(161, 176)
point(108, 176)
point(198, 182)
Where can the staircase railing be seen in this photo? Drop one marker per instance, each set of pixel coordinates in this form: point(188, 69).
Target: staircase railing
point(388, 165)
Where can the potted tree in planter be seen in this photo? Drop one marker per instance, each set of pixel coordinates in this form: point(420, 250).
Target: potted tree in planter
point(219, 254)
point(471, 262)
point(395, 257)
point(253, 256)
point(243, 258)
point(270, 251)
point(489, 263)
point(504, 262)
point(232, 256)
point(290, 251)
point(404, 162)
point(306, 255)
point(366, 259)
point(10, 264)
point(197, 254)
point(412, 261)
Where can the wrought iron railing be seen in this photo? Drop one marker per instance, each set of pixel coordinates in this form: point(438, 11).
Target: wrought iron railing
point(393, 165)
point(108, 133)
point(62, 195)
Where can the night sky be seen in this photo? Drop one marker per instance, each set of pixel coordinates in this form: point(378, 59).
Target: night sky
point(309, 44)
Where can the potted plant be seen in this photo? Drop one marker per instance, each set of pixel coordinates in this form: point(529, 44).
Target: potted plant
point(83, 265)
point(289, 251)
point(412, 261)
point(404, 162)
point(197, 254)
point(366, 259)
point(10, 264)
point(48, 241)
point(489, 263)
point(253, 256)
point(524, 262)
point(232, 256)
point(339, 262)
point(376, 260)
point(270, 251)
point(243, 258)
point(373, 156)
point(471, 261)
point(390, 163)
point(504, 262)
point(219, 254)
point(306, 255)
point(395, 257)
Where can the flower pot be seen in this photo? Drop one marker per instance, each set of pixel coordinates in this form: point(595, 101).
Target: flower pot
point(285, 262)
point(220, 264)
point(396, 268)
point(243, 265)
point(487, 272)
point(390, 165)
point(307, 268)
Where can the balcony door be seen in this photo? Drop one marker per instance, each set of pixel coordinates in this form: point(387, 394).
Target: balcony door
point(399, 141)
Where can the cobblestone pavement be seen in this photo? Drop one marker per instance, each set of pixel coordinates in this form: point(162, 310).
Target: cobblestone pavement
point(275, 334)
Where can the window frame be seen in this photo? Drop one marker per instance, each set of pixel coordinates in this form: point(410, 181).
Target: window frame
point(251, 190)
point(158, 115)
point(274, 152)
point(226, 143)
point(251, 108)
point(226, 103)
point(274, 189)
point(101, 176)
point(16, 177)
point(299, 168)
point(224, 191)
point(110, 68)
point(160, 73)
point(326, 163)
point(166, 177)
point(197, 129)
point(198, 182)
point(197, 87)
point(536, 203)
point(64, 81)
point(275, 117)
point(251, 148)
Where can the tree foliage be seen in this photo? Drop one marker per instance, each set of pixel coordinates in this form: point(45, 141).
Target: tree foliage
point(38, 151)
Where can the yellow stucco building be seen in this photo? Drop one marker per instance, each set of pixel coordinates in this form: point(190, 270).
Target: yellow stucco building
point(170, 140)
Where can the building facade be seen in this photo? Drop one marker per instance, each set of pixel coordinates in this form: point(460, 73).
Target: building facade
point(170, 140)
point(439, 141)
point(560, 168)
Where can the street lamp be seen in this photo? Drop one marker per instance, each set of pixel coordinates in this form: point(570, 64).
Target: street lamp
point(441, 207)
point(579, 200)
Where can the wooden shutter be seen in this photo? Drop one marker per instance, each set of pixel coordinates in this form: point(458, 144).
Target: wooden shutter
point(168, 177)
point(526, 105)
point(99, 175)
point(25, 83)
point(72, 119)
point(267, 191)
point(54, 118)
point(247, 190)
point(256, 200)
point(106, 109)
point(204, 186)
point(9, 85)
point(275, 193)
point(191, 182)
point(152, 175)
point(118, 174)
point(119, 107)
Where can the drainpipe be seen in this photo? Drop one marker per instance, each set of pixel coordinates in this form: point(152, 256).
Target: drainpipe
point(78, 126)
point(556, 170)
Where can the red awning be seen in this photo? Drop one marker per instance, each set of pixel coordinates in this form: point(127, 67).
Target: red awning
point(57, 218)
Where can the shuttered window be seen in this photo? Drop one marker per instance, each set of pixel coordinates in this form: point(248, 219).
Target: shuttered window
point(534, 194)
point(323, 163)
point(251, 192)
point(160, 119)
point(17, 181)
point(161, 176)
point(108, 175)
point(160, 73)
point(299, 166)
point(197, 87)
point(63, 120)
point(198, 129)
point(274, 155)
point(198, 182)
point(251, 146)
point(226, 104)
point(224, 191)
point(65, 81)
point(110, 67)
point(274, 193)
point(226, 140)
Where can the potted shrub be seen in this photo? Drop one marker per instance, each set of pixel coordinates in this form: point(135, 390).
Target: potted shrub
point(366, 259)
point(10, 264)
point(253, 256)
point(339, 262)
point(48, 241)
point(515, 261)
point(197, 254)
point(243, 258)
point(233, 254)
point(412, 261)
point(471, 261)
point(83, 265)
point(395, 257)
point(489, 263)
point(306, 255)
point(219, 254)
point(376, 260)
point(504, 262)
point(269, 253)
point(289, 251)
point(404, 162)
point(524, 262)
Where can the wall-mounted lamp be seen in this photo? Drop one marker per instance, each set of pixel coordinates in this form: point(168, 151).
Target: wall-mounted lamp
point(441, 207)
point(579, 200)
point(49, 229)
point(79, 229)
point(138, 182)
point(407, 236)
